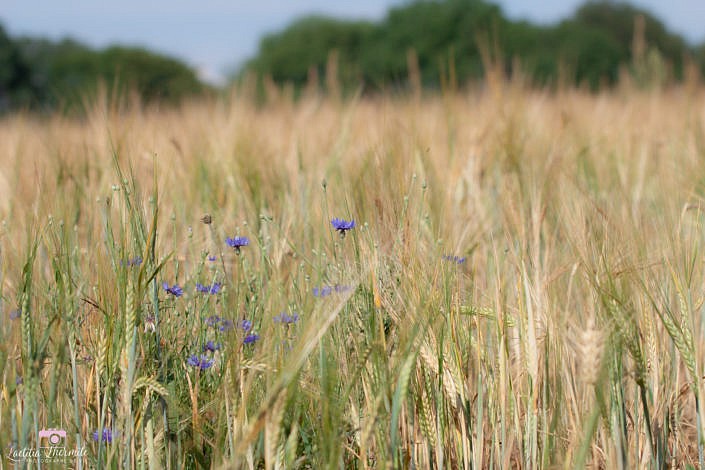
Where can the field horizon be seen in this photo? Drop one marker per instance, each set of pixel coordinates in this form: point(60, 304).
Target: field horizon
point(495, 278)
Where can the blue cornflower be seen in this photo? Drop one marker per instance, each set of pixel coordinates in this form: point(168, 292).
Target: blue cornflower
point(246, 325)
point(226, 325)
point(174, 290)
point(323, 291)
point(205, 363)
point(251, 338)
point(210, 346)
point(214, 321)
point(209, 289)
point(136, 261)
point(342, 226)
point(286, 319)
point(202, 362)
point(212, 258)
point(237, 243)
point(454, 259)
point(105, 436)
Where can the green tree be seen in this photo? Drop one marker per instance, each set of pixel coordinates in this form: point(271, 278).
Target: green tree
point(288, 56)
point(15, 75)
point(154, 77)
point(618, 20)
point(699, 57)
point(588, 48)
point(65, 73)
point(440, 32)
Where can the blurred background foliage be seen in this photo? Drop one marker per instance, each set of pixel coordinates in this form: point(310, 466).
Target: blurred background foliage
point(429, 44)
point(46, 76)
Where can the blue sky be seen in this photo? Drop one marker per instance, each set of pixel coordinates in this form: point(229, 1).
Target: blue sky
point(214, 36)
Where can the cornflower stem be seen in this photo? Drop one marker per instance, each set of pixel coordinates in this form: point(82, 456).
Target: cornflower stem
point(215, 239)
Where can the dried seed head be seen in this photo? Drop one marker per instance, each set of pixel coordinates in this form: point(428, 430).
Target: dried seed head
point(590, 347)
point(207, 219)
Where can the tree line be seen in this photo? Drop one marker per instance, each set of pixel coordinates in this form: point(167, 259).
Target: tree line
point(47, 76)
point(456, 41)
point(419, 44)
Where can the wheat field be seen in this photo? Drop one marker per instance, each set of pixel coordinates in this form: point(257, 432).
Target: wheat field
point(523, 286)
